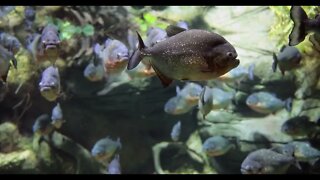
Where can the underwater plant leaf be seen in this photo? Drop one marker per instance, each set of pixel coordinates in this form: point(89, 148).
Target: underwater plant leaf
point(149, 18)
point(88, 30)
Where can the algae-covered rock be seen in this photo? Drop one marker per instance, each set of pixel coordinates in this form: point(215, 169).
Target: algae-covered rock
point(9, 137)
point(18, 162)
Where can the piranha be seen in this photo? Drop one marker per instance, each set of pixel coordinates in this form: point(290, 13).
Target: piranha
point(5, 10)
point(303, 152)
point(5, 57)
point(115, 56)
point(177, 105)
point(95, 70)
point(214, 98)
point(266, 103)
point(43, 125)
point(299, 126)
point(217, 146)
point(105, 148)
point(266, 161)
point(303, 26)
point(141, 71)
point(50, 43)
point(30, 16)
point(94, 73)
point(176, 131)
point(11, 44)
point(195, 55)
point(57, 116)
point(289, 58)
point(155, 35)
point(114, 166)
point(190, 92)
point(50, 83)
point(235, 75)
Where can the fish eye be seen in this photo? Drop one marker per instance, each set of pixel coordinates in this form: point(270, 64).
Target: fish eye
point(230, 54)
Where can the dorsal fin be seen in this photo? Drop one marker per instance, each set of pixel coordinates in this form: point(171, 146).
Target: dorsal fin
point(173, 30)
point(141, 44)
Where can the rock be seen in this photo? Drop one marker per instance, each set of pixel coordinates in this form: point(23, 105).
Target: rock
point(9, 137)
point(18, 162)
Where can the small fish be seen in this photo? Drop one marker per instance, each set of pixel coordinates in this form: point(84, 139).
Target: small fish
point(299, 126)
point(5, 10)
point(105, 148)
point(266, 103)
point(115, 56)
point(176, 131)
point(50, 83)
point(177, 105)
point(234, 75)
point(183, 24)
point(191, 92)
point(303, 152)
point(12, 44)
point(154, 36)
point(289, 58)
point(114, 166)
point(141, 71)
point(266, 161)
point(195, 55)
point(214, 98)
point(217, 146)
point(95, 70)
point(5, 57)
point(50, 42)
point(43, 125)
point(57, 116)
point(94, 73)
point(30, 16)
point(302, 26)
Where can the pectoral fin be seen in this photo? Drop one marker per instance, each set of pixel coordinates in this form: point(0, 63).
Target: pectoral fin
point(173, 30)
point(164, 79)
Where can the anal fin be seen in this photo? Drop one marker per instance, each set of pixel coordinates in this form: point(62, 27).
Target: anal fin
point(164, 79)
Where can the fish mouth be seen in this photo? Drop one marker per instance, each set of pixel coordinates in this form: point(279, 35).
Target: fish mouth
point(46, 88)
point(236, 63)
point(51, 46)
point(245, 171)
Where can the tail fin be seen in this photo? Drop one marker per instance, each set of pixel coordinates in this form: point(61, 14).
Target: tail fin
point(288, 104)
point(298, 33)
point(136, 56)
point(275, 63)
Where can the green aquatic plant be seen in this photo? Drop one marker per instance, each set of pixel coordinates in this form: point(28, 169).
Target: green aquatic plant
point(283, 25)
point(67, 30)
point(148, 20)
